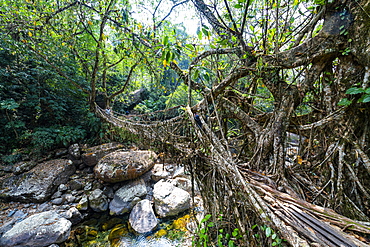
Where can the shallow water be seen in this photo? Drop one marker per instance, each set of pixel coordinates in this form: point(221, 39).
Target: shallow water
point(142, 241)
point(101, 230)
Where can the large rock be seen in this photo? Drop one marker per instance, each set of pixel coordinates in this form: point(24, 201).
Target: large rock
point(120, 166)
point(92, 155)
point(39, 183)
point(98, 201)
point(38, 230)
point(136, 97)
point(127, 196)
point(23, 166)
point(142, 218)
point(170, 200)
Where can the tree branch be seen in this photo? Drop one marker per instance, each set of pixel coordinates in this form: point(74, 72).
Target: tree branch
point(126, 83)
point(169, 12)
point(238, 113)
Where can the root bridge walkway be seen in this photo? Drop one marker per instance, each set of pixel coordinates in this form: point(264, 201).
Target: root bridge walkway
point(299, 222)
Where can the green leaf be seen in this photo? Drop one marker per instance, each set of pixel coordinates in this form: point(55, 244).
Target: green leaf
point(168, 56)
point(367, 90)
point(163, 57)
point(196, 74)
point(205, 31)
point(200, 36)
point(191, 47)
point(206, 77)
point(9, 104)
point(165, 40)
point(238, 6)
point(268, 232)
point(206, 218)
point(365, 98)
point(355, 90)
point(231, 243)
point(319, 2)
point(344, 102)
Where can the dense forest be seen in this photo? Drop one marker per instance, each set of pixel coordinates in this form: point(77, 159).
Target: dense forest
point(255, 74)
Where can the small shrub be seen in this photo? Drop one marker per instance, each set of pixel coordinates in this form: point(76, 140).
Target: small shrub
point(44, 139)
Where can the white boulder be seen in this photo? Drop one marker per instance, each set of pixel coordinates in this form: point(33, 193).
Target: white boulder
point(170, 200)
point(142, 218)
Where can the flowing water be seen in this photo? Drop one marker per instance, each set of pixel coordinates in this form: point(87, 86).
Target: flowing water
point(143, 241)
point(104, 230)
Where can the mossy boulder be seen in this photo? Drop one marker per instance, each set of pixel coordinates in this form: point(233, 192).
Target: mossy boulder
point(92, 155)
point(121, 166)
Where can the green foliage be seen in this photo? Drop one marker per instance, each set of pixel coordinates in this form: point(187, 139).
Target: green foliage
point(320, 2)
point(9, 104)
point(11, 158)
point(264, 101)
point(202, 232)
point(151, 105)
point(365, 96)
point(223, 239)
point(346, 51)
point(93, 125)
point(180, 96)
point(38, 109)
point(171, 50)
point(269, 234)
point(44, 139)
point(47, 61)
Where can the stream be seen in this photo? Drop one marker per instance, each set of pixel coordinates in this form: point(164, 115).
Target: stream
point(104, 230)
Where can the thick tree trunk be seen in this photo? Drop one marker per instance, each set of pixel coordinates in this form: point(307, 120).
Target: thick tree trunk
point(333, 159)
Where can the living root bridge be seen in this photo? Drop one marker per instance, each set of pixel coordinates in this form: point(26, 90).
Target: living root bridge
point(319, 225)
point(244, 194)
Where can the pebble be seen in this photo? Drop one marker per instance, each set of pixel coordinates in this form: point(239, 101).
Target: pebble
point(44, 207)
point(19, 214)
point(62, 187)
point(57, 201)
point(70, 198)
point(88, 186)
point(12, 213)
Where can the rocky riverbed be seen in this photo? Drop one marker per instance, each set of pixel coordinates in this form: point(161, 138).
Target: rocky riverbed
point(127, 195)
